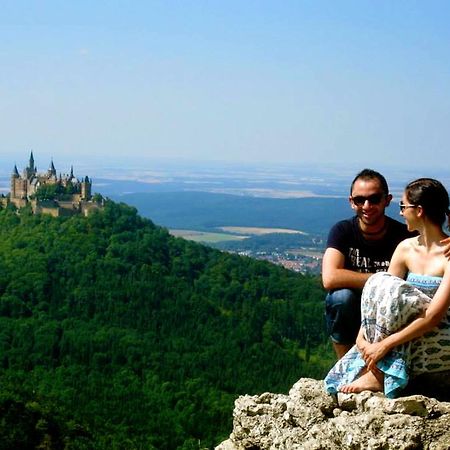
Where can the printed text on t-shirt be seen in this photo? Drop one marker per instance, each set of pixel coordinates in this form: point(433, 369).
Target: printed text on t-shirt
point(366, 264)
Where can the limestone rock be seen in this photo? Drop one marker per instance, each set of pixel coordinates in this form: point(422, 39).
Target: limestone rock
point(309, 419)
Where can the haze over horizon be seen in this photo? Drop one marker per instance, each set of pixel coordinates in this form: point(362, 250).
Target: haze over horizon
point(259, 82)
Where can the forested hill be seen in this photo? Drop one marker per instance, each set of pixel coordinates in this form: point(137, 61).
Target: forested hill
point(115, 335)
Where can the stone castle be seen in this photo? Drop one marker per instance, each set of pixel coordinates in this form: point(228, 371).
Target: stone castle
point(70, 195)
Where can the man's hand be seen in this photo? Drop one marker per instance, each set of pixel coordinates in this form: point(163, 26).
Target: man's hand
point(447, 247)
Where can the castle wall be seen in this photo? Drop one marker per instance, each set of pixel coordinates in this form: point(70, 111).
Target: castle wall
point(69, 205)
point(47, 210)
point(19, 202)
point(89, 207)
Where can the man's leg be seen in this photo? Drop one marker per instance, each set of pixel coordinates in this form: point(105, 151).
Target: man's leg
point(341, 349)
point(343, 316)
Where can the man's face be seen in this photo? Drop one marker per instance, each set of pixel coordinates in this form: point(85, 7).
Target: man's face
point(369, 201)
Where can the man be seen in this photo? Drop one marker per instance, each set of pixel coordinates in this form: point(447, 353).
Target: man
point(357, 248)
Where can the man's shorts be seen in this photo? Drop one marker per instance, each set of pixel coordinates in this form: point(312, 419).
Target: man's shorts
point(343, 315)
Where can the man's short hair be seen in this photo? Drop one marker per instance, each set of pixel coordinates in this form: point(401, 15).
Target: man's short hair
point(369, 174)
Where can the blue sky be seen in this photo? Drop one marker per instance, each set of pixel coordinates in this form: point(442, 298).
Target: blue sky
point(347, 82)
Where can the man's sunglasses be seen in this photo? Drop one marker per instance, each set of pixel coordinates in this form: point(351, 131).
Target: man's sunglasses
point(373, 199)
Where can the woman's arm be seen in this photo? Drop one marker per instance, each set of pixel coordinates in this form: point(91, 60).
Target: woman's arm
point(360, 341)
point(372, 352)
point(397, 266)
point(418, 327)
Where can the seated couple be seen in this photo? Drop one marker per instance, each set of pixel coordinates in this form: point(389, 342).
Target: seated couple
point(405, 317)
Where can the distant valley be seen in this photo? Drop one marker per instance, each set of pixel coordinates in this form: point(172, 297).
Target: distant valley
point(223, 205)
point(294, 229)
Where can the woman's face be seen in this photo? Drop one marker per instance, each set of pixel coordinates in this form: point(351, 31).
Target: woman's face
point(409, 212)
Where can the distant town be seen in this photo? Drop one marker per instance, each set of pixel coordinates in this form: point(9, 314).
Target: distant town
point(278, 246)
point(296, 261)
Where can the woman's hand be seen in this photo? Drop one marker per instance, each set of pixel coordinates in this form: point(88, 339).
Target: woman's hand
point(361, 342)
point(372, 353)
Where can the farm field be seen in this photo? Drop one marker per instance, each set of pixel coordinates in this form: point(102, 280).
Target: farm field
point(257, 231)
point(231, 234)
point(206, 237)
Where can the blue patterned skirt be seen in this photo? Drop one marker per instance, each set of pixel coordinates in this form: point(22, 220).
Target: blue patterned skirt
point(388, 303)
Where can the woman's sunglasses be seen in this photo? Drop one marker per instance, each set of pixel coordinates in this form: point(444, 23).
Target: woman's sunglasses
point(404, 206)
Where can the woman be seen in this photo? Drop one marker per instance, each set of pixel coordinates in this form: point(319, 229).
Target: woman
point(405, 324)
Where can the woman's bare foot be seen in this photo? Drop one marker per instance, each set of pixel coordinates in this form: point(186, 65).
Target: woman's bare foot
point(369, 381)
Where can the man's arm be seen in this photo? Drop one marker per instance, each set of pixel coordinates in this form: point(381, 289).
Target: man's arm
point(334, 276)
point(447, 247)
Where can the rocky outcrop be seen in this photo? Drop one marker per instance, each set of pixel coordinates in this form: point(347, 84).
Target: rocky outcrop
point(310, 419)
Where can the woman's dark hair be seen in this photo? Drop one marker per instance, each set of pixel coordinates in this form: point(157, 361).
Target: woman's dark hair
point(432, 196)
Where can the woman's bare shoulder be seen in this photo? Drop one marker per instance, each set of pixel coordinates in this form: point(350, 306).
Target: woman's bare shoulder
point(408, 243)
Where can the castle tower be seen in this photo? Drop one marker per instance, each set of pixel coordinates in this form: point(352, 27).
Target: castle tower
point(86, 186)
point(14, 178)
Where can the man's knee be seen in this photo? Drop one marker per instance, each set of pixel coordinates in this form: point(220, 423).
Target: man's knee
point(343, 298)
point(343, 317)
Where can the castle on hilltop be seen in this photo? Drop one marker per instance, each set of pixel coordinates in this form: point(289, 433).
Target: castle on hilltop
point(58, 195)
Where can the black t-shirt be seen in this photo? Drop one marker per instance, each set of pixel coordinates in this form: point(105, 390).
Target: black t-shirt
point(362, 255)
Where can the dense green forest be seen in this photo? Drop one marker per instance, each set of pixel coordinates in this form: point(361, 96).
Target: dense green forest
point(116, 335)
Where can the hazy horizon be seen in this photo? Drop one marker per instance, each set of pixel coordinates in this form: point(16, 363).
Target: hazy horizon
point(275, 180)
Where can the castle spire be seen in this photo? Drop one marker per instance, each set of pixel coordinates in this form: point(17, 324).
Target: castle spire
point(30, 171)
point(31, 163)
point(15, 171)
point(51, 169)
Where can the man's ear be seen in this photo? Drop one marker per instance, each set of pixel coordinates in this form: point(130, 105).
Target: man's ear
point(388, 199)
point(352, 205)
